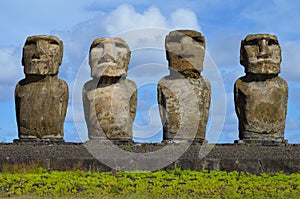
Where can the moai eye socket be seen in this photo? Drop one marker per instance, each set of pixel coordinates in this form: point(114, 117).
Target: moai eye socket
point(198, 40)
point(100, 45)
point(54, 42)
point(272, 42)
point(175, 38)
point(31, 42)
point(252, 42)
point(120, 45)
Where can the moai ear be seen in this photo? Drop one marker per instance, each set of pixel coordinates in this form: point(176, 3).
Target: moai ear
point(242, 53)
point(22, 62)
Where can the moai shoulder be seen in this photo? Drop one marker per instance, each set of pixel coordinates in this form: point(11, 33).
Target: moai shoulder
point(41, 98)
point(184, 95)
point(261, 96)
point(109, 98)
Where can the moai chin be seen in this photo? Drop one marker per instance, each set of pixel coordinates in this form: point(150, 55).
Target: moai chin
point(41, 98)
point(109, 99)
point(261, 96)
point(184, 95)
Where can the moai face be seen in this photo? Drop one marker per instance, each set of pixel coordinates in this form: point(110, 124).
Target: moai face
point(109, 57)
point(185, 50)
point(42, 55)
point(261, 54)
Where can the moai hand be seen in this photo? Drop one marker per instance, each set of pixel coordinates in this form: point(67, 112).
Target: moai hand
point(184, 95)
point(109, 99)
point(261, 96)
point(41, 98)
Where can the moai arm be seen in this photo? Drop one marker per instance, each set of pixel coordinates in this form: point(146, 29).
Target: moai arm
point(236, 98)
point(285, 94)
point(161, 102)
point(208, 99)
point(133, 103)
point(64, 99)
point(17, 105)
point(86, 103)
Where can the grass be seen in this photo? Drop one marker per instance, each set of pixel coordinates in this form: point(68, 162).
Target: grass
point(39, 183)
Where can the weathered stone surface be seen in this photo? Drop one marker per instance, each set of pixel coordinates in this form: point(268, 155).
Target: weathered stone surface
point(228, 157)
point(261, 108)
point(184, 95)
point(110, 110)
point(109, 99)
point(184, 107)
point(41, 98)
point(261, 96)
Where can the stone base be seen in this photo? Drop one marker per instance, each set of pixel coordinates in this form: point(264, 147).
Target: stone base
point(181, 140)
point(262, 142)
point(39, 141)
point(114, 141)
point(225, 157)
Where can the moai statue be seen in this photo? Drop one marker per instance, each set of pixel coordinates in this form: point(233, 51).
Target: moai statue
point(261, 96)
point(41, 98)
point(109, 99)
point(184, 95)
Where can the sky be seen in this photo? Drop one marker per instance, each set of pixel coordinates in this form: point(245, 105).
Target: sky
point(144, 24)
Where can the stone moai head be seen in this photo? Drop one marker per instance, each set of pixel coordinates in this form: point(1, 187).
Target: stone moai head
point(42, 55)
point(109, 57)
point(260, 54)
point(185, 50)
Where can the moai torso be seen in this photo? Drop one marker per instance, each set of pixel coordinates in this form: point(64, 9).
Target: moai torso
point(41, 98)
point(184, 95)
point(261, 96)
point(109, 99)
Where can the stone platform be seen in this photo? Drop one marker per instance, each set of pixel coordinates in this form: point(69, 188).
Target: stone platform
point(228, 157)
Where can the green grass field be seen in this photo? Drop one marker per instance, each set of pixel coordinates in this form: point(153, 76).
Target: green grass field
point(40, 183)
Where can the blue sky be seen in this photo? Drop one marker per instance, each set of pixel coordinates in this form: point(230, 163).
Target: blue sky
point(143, 23)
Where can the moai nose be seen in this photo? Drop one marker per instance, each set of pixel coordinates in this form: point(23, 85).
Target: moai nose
point(186, 45)
point(39, 47)
point(108, 48)
point(263, 49)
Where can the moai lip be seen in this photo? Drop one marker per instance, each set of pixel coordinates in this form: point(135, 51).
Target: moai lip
point(261, 96)
point(109, 99)
point(41, 98)
point(184, 95)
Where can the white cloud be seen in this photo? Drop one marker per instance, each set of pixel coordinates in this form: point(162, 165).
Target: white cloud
point(182, 18)
point(125, 18)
